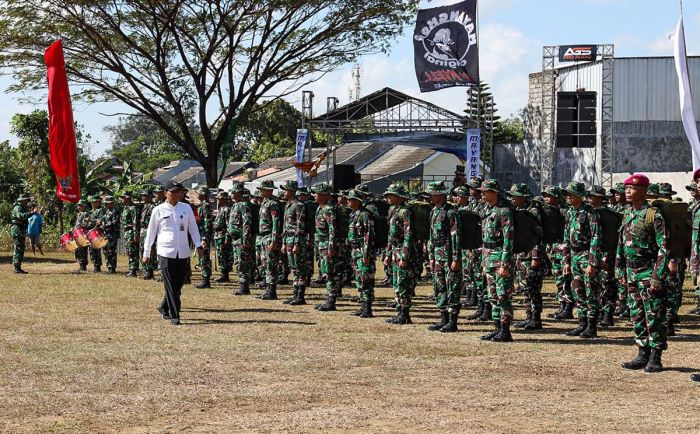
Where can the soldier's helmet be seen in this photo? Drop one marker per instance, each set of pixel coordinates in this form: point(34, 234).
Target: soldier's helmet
point(666, 189)
point(322, 188)
point(597, 190)
point(290, 185)
point(519, 190)
point(576, 188)
point(490, 185)
point(462, 191)
point(397, 190)
point(267, 184)
point(437, 188)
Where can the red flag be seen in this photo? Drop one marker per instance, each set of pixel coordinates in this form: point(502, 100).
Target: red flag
point(62, 146)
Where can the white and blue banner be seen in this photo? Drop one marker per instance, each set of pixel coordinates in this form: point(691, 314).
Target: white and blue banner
point(302, 137)
point(473, 152)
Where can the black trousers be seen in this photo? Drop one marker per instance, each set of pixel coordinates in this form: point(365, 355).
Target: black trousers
point(173, 271)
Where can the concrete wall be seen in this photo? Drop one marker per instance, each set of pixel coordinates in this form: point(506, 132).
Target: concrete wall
point(677, 179)
point(659, 146)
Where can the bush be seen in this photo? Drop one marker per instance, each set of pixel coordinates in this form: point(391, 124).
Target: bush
point(50, 237)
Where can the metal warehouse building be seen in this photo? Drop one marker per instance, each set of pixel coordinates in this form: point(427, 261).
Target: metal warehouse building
point(599, 121)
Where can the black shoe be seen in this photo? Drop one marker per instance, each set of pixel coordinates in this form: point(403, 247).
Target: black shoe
point(82, 268)
point(654, 363)
point(284, 281)
point(553, 315)
point(175, 321)
point(477, 314)
point(204, 284)
point(486, 314)
point(148, 275)
point(582, 325)
point(271, 293)
point(131, 273)
point(536, 321)
point(110, 271)
point(591, 329)
point(359, 311)
point(503, 334)
point(320, 281)
point(395, 318)
point(670, 329)
point(96, 269)
point(567, 313)
point(451, 325)
point(523, 324)
point(295, 291)
point(403, 317)
point(473, 298)
point(18, 270)
point(607, 320)
point(489, 336)
point(163, 314)
point(694, 377)
point(367, 313)
point(243, 289)
point(223, 278)
point(640, 361)
point(328, 306)
point(300, 300)
point(385, 282)
point(444, 319)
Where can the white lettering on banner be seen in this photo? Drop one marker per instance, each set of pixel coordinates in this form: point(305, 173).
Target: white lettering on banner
point(302, 136)
point(473, 152)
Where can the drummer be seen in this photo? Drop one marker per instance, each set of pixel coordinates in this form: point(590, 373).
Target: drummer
point(96, 216)
point(81, 221)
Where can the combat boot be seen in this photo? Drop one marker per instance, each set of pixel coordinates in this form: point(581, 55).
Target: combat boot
point(111, 271)
point(395, 318)
point(223, 278)
point(97, 269)
point(607, 320)
point(591, 330)
point(444, 318)
point(486, 314)
point(367, 312)
point(640, 361)
point(82, 267)
point(625, 312)
point(243, 289)
point(523, 324)
point(696, 311)
point(271, 293)
point(451, 326)
point(295, 293)
point(477, 313)
point(300, 300)
point(562, 305)
point(582, 325)
point(489, 336)
point(404, 316)
point(654, 363)
point(329, 305)
point(503, 335)
point(204, 284)
point(536, 321)
point(567, 313)
point(359, 311)
point(670, 329)
point(18, 270)
point(131, 273)
point(148, 275)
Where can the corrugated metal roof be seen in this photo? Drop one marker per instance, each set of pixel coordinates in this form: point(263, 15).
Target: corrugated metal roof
point(396, 160)
point(285, 162)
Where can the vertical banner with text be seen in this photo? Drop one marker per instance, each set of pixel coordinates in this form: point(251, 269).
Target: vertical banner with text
point(473, 152)
point(302, 137)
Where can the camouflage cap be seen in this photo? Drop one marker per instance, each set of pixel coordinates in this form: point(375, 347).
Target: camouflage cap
point(203, 190)
point(519, 190)
point(666, 189)
point(236, 187)
point(437, 188)
point(82, 202)
point(475, 182)
point(159, 189)
point(619, 188)
point(108, 199)
point(597, 190)
point(462, 191)
point(364, 187)
point(322, 188)
point(267, 184)
point(692, 186)
point(126, 195)
point(302, 190)
point(23, 197)
point(147, 192)
point(95, 198)
point(552, 191)
point(489, 185)
point(653, 190)
point(290, 185)
point(397, 190)
point(576, 188)
point(356, 195)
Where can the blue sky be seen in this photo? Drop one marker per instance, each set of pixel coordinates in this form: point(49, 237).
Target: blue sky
point(512, 33)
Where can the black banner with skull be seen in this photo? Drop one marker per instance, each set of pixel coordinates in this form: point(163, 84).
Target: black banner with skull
point(445, 46)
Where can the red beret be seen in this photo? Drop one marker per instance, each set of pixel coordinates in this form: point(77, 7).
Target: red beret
point(637, 179)
point(696, 175)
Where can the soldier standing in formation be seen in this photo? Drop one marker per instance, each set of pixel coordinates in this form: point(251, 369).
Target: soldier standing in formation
point(694, 259)
point(608, 284)
point(361, 241)
point(294, 238)
point(18, 230)
point(144, 220)
point(130, 224)
point(96, 221)
point(401, 253)
point(110, 224)
point(222, 239)
point(325, 238)
point(270, 238)
point(553, 196)
point(206, 231)
point(240, 227)
point(82, 219)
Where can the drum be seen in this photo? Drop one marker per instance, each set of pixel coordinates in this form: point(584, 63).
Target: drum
point(80, 237)
point(68, 242)
point(97, 238)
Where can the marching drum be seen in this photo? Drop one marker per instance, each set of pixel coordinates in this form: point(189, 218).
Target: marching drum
point(68, 242)
point(80, 237)
point(97, 238)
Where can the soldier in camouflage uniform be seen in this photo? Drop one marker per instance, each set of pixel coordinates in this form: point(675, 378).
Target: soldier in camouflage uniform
point(96, 220)
point(130, 228)
point(693, 208)
point(81, 221)
point(553, 196)
point(673, 284)
point(310, 213)
point(111, 224)
point(18, 230)
point(445, 258)
point(361, 240)
point(582, 258)
point(222, 239)
point(608, 283)
point(270, 238)
point(240, 227)
point(620, 207)
point(295, 242)
point(326, 238)
point(401, 253)
point(144, 220)
point(642, 264)
point(529, 265)
point(206, 231)
point(498, 261)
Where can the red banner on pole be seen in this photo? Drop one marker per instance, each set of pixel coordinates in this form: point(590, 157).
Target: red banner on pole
point(62, 146)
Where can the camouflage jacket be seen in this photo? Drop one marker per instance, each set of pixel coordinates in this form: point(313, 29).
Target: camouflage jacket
point(693, 206)
point(326, 231)
point(401, 240)
point(271, 219)
point(110, 221)
point(145, 217)
point(582, 233)
point(497, 230)
point(221, 223)
point(240, 223)
point(82, 220)
point(361, 235)
point(20, 217)
point(294, 222)
point(96, 216)
point(130, 218)
point(695, 241)
point(445, 230)
point(206, 221)
point(476, 206)
point(619, 208)
point(642, 245)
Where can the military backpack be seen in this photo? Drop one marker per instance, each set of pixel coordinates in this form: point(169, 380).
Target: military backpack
point(610, 222)
point(470, 235)
point(421, 219)
point(527, 231)
point(675, 215)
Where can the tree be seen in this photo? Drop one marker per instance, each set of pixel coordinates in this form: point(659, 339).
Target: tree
point(191, 59)
point(481, 108)
point(11, 179)
point(510, 130)
point(269, 131)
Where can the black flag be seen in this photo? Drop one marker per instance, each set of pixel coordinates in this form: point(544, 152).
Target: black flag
point(445, 46)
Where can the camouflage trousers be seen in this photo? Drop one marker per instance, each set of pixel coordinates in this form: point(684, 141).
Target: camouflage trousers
point(694, 276)
point(283, 267)
point(269, 259)
point(259, 253)
point(309, 259)
point(608, 284)
point(204, 262)
point(96, 257)
point(244, 258)
point(403, 284)
point(674, 290)
point(224, 255)
point(563, 281)
point(585, 289)
point(647, 312)
point(500, 289)
point(132, 250)
point(364, 276)
point(151, 265)
point(447, 285)
point(297, 261)
point(472, 273)
point(19, 238)
point(328, 268)
point(81, 256)
point(530, 281)
point(110, 252)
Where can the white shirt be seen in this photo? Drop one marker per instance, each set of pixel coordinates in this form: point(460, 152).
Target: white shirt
point(171, 224)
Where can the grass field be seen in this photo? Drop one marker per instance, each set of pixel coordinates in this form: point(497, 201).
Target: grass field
point(89, 353)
